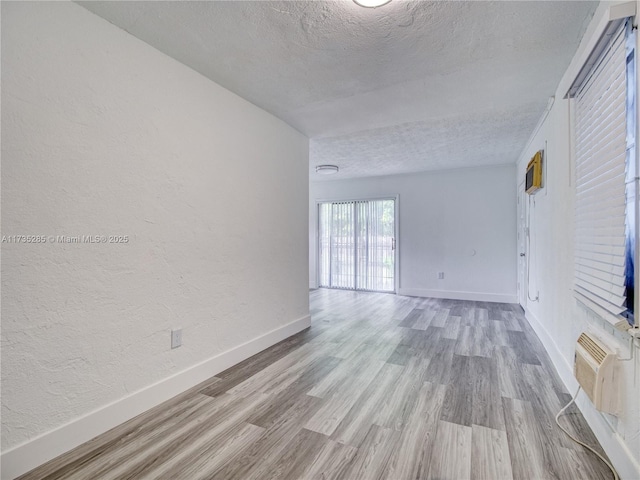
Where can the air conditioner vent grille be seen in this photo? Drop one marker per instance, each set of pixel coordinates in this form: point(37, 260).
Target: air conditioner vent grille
point(595, 350)
point(595, 370)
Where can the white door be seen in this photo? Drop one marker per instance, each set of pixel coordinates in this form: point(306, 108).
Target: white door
point(522, 246)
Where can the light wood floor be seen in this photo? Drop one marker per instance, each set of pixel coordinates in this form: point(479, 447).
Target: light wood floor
point(381, 386)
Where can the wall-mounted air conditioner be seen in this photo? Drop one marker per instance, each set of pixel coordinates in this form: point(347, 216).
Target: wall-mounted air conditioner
point(594, 369)
point(533, 177)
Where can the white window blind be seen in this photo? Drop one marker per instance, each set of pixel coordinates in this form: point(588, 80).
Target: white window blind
point(356, 245)
point(601, 144)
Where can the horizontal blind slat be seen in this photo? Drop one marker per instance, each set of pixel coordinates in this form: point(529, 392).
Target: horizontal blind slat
point(616, 270)
point(608, 297)
point(607, 314)
point(601, 110)
point(615, 250)
point(616, 260)
point(599, 274)
point(607, 62)
point(600, 201)
point(613, 183)
point(599, 240)
point(602, 159)
point(602, 285)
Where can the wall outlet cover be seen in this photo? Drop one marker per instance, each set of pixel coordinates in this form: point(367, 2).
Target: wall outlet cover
point(176, 337)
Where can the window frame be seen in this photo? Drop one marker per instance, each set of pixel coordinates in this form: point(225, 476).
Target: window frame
point(632, 164)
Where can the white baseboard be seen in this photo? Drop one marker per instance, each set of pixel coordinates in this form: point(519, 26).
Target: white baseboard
point(49, 445)
point(611, 442)
point(452, 295)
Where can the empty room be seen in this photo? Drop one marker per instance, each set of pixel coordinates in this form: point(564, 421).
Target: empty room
point(309, 239)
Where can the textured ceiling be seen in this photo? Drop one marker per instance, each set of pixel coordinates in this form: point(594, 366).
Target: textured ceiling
point(407, 87)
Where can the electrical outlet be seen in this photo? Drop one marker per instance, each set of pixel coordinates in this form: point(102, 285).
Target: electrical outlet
point(176, 338)
point(440, 275)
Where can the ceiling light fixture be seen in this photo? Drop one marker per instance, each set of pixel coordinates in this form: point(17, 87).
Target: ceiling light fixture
point(371, 3)
point(326, 169)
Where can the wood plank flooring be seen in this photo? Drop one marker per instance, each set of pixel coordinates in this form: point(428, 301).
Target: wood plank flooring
point(380, 387)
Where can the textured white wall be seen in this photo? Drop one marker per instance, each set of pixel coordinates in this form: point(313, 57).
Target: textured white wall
point(102, 134)
point(444, 216)
point(557, 316)
point(551, 259)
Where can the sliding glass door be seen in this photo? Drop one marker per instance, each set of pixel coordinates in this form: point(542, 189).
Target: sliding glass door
point(357, 245)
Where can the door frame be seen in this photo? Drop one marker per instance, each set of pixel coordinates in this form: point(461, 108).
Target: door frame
point(396, 228)
point(522, 243)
